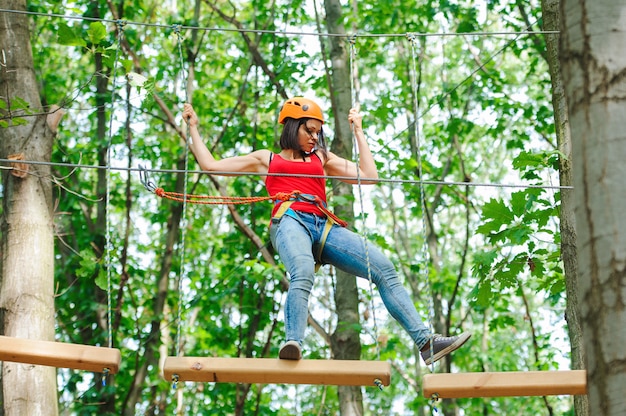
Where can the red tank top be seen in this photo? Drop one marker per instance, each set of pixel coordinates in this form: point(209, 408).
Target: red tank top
point(306, 185)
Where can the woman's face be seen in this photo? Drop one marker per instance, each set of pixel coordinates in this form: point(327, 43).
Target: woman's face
point(308, 135)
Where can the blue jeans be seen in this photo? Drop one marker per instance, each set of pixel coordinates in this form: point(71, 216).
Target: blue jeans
point(297, 239)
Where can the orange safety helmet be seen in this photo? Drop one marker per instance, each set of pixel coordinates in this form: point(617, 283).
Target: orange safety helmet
point(300, 107)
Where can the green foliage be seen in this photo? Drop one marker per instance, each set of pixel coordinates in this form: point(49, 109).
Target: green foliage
point(15, 108)
point(513, 227)
point(67, 36)
point(484, 116)
point(94, 39)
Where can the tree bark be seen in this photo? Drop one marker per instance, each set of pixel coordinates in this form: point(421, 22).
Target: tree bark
point(26, 291)
point(345, 341)
point(593, 67)
point(551, 21)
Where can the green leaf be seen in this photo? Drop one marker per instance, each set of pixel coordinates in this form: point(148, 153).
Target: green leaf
point(496, 209)
point(527, 159)
point(67, 36)
point(18, 103)
point(97, 32)
point(482, 263)
point(127, 64)
point(501, 321)
point(101, 280)
point(18, 121)
point(88, 264)
point(558, 287)
point(485, 293)
point(519, 234)
point(489, 227)
point(518, 203)
point(506, 278)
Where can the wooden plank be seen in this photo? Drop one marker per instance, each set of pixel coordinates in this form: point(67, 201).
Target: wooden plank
point(505, 384)
point(59, 354)
point(276, 371)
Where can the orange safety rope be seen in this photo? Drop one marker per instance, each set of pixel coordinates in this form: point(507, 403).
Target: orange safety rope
point(237, 200)
point(240, 200)
point(220, 199)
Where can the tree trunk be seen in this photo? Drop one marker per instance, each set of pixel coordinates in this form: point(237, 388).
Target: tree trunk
point(593, 66)
point(551, 21)
point(345, 342)
point(26, 291)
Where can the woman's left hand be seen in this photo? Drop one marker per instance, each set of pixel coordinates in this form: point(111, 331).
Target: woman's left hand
point(356, 119)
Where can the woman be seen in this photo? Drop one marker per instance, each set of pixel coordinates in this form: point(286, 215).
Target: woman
point(304, 232)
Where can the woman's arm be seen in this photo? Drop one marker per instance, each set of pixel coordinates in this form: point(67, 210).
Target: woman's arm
point(257, 161)
point(338, 166)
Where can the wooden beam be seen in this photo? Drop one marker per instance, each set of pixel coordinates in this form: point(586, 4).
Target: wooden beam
point(505, 384)
point(276, 371)
point(59, 354)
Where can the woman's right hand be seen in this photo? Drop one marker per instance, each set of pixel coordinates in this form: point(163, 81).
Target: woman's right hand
point(189, 115)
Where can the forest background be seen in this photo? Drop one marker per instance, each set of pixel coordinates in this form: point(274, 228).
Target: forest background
point(477, 241)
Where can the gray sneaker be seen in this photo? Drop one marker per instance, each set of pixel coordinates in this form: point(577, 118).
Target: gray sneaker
point(290, 350)
point(442, 346)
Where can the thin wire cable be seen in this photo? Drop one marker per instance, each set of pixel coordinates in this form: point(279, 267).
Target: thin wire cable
point(447, 93)
point(229, 173)
point(409, 34)
point(442, 97)
point(425, 253)
point(274, 32)
point(183, 233)
point(107, 215)
point(355, 104)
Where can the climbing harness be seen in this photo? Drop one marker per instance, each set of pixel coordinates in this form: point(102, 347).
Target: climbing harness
point(285, 199)
point(331, 219)
point(279, 197)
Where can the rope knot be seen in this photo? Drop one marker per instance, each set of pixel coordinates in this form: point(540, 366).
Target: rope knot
point(159, 191)
point(285, 196)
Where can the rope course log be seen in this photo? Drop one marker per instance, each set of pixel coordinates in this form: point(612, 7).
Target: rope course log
point(60, 354)
point(277, 371)
point(505, 384)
